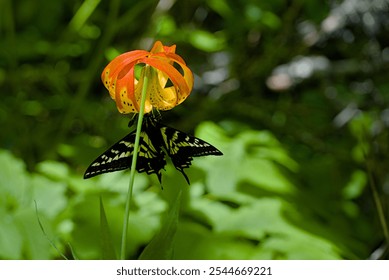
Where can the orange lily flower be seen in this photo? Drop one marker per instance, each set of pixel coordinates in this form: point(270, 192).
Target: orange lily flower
point(167, 86)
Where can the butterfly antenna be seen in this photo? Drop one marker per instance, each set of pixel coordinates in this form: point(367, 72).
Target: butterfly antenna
point(156, 115)
point(133, 120)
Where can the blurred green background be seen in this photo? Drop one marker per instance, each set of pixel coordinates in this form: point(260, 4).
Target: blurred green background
point(295, 94)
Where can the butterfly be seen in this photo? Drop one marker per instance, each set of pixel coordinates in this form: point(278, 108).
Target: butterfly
point(156, 141)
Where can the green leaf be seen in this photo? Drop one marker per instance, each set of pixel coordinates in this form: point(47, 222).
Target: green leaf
point(53, 169)
point(21, 228)
point(86, 223)
point(45, 234)
point(195, 242)
point(13, 180)
point(11, 239)
point(356, 185)
point(45, 192)
point(74, 255)
point(166, 25)
point(161, 246)
point(259, 155)
point(82, 14)
point(35, 242)
point(107, 244)
point(300, 246)
point(264, 221)
point(221, 7)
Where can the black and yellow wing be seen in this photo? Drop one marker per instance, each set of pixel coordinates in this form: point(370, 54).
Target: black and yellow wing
point(156, 139)
point(151, 159)
point(182, 147)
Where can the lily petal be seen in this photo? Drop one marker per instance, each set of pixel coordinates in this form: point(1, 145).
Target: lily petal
point(119, 78)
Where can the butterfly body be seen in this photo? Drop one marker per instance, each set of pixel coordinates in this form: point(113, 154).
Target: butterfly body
point(156, 141)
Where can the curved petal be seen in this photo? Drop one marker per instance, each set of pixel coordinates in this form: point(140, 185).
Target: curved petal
point(174, 75)
point(124, 93)
point(174, 58)
point(161, 98)
point(157, 47)
point(160, 48)
point(118, 77)
point(117, 64)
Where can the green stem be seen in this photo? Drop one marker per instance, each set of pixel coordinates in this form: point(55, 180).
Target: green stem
point(378, 204)
point(133, 163)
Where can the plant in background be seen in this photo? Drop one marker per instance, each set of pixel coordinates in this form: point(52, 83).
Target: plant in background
point(140, 82)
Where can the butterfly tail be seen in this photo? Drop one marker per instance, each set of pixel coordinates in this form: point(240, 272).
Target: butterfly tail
point(183, 173)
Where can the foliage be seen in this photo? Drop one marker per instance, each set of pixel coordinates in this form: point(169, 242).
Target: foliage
point(253, 212)
point(294, 94)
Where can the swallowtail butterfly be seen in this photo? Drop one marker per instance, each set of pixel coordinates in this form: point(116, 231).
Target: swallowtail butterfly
point(156, 141)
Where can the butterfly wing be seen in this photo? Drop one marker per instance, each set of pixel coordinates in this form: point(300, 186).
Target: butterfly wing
point(119, 157)
point(182, 147)
point(154, 139)
point(151, 158)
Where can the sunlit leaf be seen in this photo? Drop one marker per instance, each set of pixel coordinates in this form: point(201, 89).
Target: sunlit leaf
point(53, 169)
point(35, 242)
point(11, 239)
point(44, 192)
point(107, 244)
point(356, 185)
point(206, 41)
point(252, 157)
point(195, 242)
point(13, 179)
point(161, 246)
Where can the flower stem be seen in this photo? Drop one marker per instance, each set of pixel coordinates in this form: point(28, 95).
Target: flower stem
point(133, 164)
point(378, 205)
